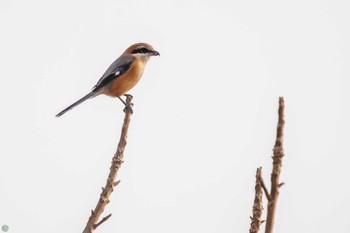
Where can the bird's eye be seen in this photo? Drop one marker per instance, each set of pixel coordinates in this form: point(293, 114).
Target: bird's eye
point(140, 50)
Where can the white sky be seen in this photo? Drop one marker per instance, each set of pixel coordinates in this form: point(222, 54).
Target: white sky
point(205, 114)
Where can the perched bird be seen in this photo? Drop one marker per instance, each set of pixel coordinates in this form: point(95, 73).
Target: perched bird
point(122, 75)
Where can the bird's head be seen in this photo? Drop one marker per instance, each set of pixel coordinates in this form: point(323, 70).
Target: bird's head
point(142, 50)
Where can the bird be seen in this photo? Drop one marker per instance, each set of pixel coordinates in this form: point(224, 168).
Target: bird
point(122, 75)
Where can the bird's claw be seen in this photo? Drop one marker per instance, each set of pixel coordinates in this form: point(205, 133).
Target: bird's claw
point(128, 95)
point(129, 108)
point(127, 103)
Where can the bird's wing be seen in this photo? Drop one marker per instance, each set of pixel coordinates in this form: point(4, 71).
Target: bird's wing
point(115, 70)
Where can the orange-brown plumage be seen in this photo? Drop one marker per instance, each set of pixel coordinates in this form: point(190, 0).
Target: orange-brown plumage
point(122, 75)
point(126, 81)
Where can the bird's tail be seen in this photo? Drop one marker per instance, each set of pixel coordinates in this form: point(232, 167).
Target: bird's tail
point(88, 96)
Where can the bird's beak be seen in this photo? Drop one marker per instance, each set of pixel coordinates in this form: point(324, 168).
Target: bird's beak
point(155, 53)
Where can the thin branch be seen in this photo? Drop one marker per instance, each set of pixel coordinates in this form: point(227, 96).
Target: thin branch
point(267, 194)
point(257, 206)
point(276, 170)
point(111, 180)
point(102, 221)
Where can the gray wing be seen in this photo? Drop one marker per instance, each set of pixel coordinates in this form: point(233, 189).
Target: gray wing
point(116, 69)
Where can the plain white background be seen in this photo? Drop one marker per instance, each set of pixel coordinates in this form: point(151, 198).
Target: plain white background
point(204, 119)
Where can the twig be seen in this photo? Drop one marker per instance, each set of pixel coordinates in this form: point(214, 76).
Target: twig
point(111, 180)
point(102, 221)
point(257, 206)
point(276, 170)
point(267, 194)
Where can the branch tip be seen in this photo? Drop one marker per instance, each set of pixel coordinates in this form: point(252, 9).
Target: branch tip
point(276, 169)
point(257, 206)
point(102, 221)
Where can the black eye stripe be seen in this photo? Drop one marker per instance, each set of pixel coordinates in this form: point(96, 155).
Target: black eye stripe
point(140, 50)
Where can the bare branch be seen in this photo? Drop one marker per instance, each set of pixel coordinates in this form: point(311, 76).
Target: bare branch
point(257, 206)
point(102, 221)
point(267, 194)
point(276, 169)
point(117, 160)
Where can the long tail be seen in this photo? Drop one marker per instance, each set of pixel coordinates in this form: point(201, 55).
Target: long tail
point(88, 96)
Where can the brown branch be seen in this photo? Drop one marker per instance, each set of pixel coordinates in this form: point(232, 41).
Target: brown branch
point(257, 206)
point(267, 194)
point(276, 169)
point(102, 221)
point(111, 180)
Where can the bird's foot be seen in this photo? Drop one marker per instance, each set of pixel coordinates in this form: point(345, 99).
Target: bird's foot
point(128, 95)
point(128, 104)
point(120, 98)
point(129, 108)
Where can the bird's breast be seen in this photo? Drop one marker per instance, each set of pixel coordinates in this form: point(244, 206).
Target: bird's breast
point(122, 84)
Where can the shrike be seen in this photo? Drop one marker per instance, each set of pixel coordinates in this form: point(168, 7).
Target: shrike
point(122, 75)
